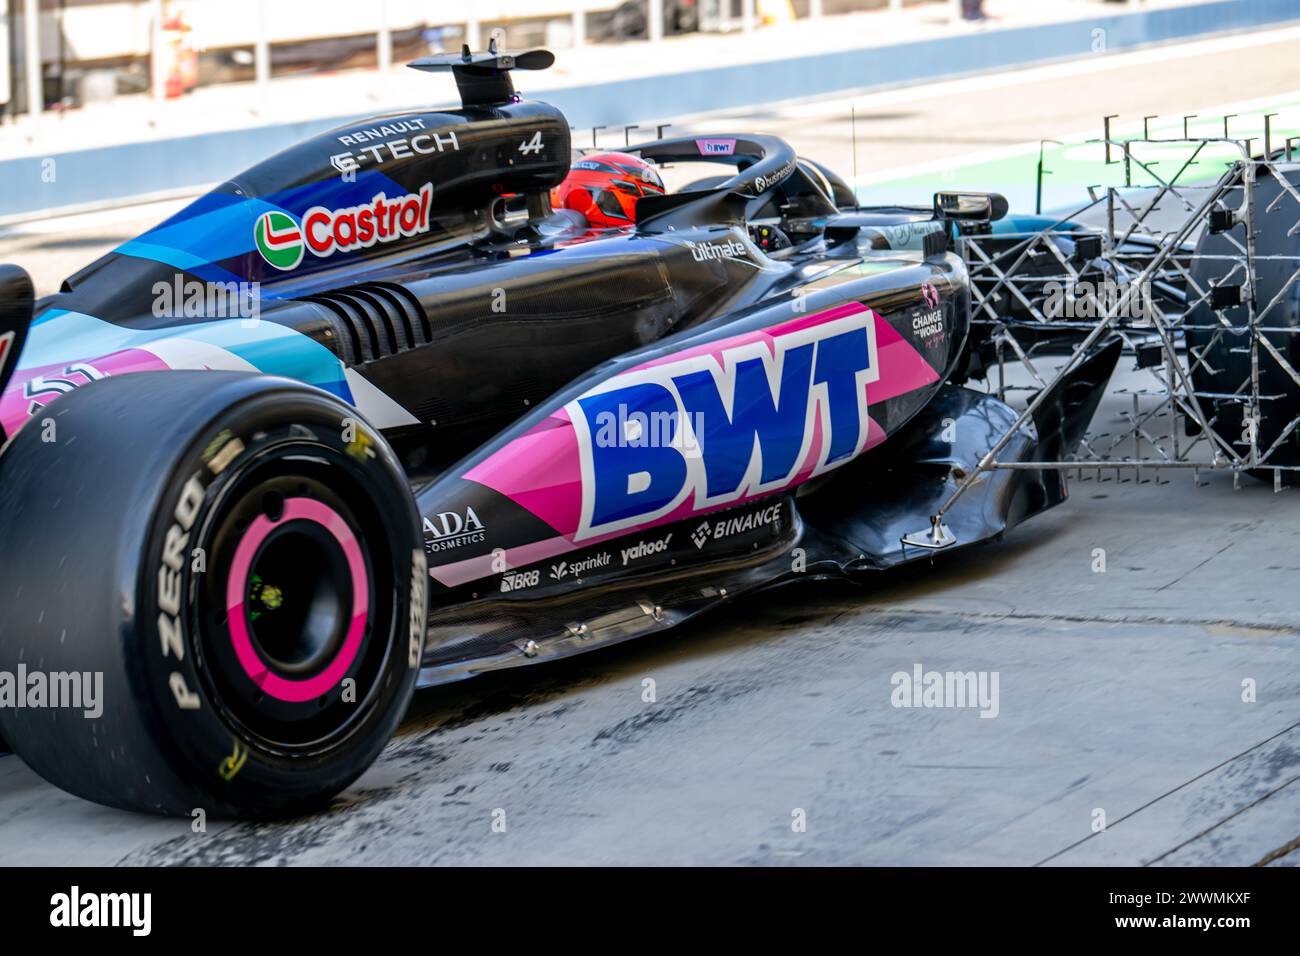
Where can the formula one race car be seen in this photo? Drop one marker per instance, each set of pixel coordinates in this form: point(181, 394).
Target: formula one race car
point(372, 414)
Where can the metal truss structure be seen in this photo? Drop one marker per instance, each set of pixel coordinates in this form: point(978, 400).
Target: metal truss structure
point(1135, 270)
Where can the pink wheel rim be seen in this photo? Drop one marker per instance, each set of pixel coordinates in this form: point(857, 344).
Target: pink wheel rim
point(282, 688)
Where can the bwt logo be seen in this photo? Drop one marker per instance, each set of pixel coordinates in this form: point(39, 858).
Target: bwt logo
point(930, 294)
point(753, 408)
point(716, 147)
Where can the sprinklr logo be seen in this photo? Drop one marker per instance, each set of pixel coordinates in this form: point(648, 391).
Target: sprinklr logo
point(77, 909)
point(578, 568)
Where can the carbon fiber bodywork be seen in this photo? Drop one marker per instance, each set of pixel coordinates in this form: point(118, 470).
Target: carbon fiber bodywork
point(411, 266)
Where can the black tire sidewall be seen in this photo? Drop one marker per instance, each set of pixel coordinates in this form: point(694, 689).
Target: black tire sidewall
point(203, 742)
point(81, 556)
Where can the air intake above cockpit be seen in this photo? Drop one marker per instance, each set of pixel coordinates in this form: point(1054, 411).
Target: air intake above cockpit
point(484, 78)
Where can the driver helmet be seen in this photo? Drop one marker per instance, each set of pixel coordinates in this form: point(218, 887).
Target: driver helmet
point(604, 187)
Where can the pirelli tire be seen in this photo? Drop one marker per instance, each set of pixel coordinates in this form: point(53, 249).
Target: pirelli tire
point(240, 558)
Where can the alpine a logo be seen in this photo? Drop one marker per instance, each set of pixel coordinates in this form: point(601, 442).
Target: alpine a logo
point(282, 242)
point(764, 411)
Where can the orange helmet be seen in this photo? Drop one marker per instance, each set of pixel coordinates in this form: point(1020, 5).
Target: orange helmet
point(605, 188)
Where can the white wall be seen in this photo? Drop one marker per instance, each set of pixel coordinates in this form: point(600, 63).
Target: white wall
point(103, 31)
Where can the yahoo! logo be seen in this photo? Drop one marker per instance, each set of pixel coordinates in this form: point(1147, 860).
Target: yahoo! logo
point(753, 409)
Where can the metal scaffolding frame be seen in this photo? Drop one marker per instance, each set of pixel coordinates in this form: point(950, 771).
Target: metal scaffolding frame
point(1136, 254)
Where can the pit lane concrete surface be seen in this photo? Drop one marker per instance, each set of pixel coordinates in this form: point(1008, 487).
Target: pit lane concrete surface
point(1144, 636)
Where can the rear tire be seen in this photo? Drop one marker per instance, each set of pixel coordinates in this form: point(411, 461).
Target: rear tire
point(240, 558)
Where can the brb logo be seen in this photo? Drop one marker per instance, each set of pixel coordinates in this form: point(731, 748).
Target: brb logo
point(759, 413)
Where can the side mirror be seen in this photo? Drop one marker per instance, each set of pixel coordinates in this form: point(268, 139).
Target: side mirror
point(970, 207)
